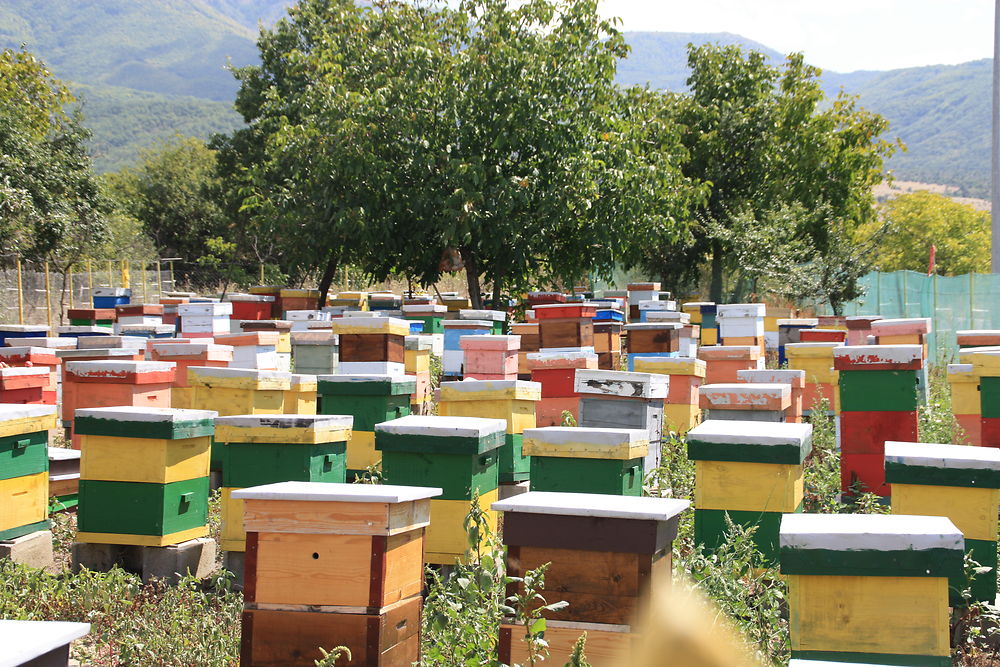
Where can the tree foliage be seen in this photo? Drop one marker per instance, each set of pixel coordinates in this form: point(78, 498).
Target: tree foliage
point(919, 220)
point(388, 135)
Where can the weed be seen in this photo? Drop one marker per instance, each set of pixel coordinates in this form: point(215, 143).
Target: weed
point(330, 658)
point(568, 419)
point(937, 423)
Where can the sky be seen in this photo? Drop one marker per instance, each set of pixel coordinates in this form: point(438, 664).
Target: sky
point(838, 35)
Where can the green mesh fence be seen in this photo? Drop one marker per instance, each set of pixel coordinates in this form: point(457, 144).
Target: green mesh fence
point(954, 303)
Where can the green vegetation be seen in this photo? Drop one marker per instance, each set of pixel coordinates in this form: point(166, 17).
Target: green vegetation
point(922, 219)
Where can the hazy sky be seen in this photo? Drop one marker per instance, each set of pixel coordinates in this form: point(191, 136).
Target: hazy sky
point(840, 35)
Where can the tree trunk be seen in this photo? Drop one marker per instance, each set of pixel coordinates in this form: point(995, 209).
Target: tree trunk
point(715, 289)
point(327, 279)
point(472, 278)
point(497, 291)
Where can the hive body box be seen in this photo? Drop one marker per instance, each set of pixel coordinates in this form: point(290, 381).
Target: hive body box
point(454, 330)
point(789, 331)
point(266, 449)
point(284, 330)
point(795, 379)
point(251, 306)
point(762, 402)
point(652, 339)
point(238, 391)
point(370, 400)
point(908, 331)
point(530, 343)
point(372, 344)
point(870, 588)
point(822, 336)
point(822, 379)
point(36, 357)
point(418, 366)
point(511, 400)
point(878, 402)
point(64, 478)
point(587, 460)
point(91, 317)
point(457, 454)
point(961, 483)
point(252, 349)
point(102, 384)
point(315, 352)
point(110, 297)
point(565, 325)
point(336, 563)
point(722, 362)
point(204, 320)
point(986, 366)
point(184, 356)
point(298, 299)
point(430, 314)
point(24, 385)
point(24, 465)
point(742, 324)
point(489, 357)
point(606, 554)
point(15, 332)
point(496, 318)
point(753, 472)
point(859, 327)
point(608, 343)
point(963, 383)
point(556, 372)
point(617, 399)
point(681, 411)
point(143, 475)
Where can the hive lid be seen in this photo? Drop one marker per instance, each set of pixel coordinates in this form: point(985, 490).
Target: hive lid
point(585, 442)
point(144, 422)
point(26, 641)
point(878, 357)
point(366, 384)
point(337, 493)
point(942, 465)
point(392, 326)
point(443, 427)
point(593, 505)
point(672, 365)
point(741, 310)
point(749, 441)
point(620, 383)
point(485, 390)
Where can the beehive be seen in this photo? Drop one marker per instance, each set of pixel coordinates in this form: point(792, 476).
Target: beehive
point(681, 411)
point(315, 352)
point(795, 379)
point(963, 383)
point(859, 328)
point(878, 401)
point(418, 366)
point(790, 331)
point(143, 475)
point(556, 372)
point(430, 314)
point(822, 379)
point(184, 356)
point(606, 554)
point(961, 483)
point(458, 454)
point(251, 306)
point(511, 400)
point(489, 357)
point(763, 402)
point(652, 339)
point(24, 465)
point(565, 325)
point(454, 330)
point(986, 366)
point(742, 324)
point(751, 471)
point(370, 400)
point(870, 588)
point(497, 318)
point(587, 460)
point(265, 449)
point(722, 362)
point(24, 385)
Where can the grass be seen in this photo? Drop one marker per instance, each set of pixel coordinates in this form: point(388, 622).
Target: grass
point(198, 622)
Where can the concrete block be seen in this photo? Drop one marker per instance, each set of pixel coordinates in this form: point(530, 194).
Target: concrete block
point(33, 550)
point(510, 490)
point(195, 557)
point(235, 562)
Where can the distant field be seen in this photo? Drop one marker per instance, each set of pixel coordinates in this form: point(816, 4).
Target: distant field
point(886, 191)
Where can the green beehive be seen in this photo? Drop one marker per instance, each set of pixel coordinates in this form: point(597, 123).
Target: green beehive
point(460, 455)
point(370, 400)
point(24, 466)
point(586, 460)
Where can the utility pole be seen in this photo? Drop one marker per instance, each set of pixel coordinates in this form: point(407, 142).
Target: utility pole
point(995, 152)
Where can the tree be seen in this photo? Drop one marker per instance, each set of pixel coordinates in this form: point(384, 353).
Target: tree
point(390, 136)
point(763, 137)
point(176, 192)
point(919, 220)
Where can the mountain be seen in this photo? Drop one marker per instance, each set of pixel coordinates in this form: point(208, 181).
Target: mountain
point(148, 69)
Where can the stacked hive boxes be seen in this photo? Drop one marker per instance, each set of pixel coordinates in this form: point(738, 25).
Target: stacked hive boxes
point(333, 565)
point(251, 306)
point(868, 588)
point(139, 313)
point(350, 300)
point(795, 379)
point(751, 471)
point(723, 362)
point(255, 349)
point(455, 303)
point(302, 396)
point(742, 324)
point(652, 339)
point(24, 385)
point(372, 345)
point(608, 339)
point(654, 306)
point(910, 331)
point(36, 358)
point(681, 411)
point(430, 314)
point(556, 373)
point(11, 332)
point(91, 317)
point(458, 454)
point(454, 330)
point(605, 554)
point(370, 400)
point(958, 482)
point(790, 331)
point(238, 391)
point(276, 448)
point(976, 338)
point(315, 352)
point(616, 399)
point(298, 299)
point(24, 465)
point(418, 366)
point(986, 367)
point(528, 333)
point(565, 326)
point(303, 320)
point(759, 402)
point(143, 475)
point(490, 357)
point(965, 404)
point(637, 293)
point(103, 384)
point(185, 355)
point(771, 317)
point(859, 328)
point(496, 318)
point(818, 335)
point(688, 334)
point(878, 399)
point(284, 330)
point(204, 320)
point(110, 297)
point(511, 400)
point(816, 359)
point(587, 460)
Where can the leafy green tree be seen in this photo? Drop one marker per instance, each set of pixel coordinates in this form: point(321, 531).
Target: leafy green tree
point(922, 219)
point(763, 137)
point(395, 136)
